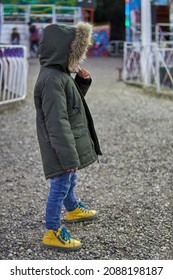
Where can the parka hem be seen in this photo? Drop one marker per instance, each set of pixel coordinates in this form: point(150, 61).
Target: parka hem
point(63, 171)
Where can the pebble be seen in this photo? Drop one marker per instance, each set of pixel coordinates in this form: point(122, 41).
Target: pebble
point(29, 251)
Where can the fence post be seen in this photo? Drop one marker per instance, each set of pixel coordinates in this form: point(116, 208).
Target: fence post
point(157, 57)
point(146, 40)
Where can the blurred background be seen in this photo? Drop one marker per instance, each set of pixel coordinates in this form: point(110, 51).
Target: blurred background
point(114, 20)
point(140, 32)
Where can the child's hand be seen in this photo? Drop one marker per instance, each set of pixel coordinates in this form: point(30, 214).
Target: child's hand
point(83, 73)
point(72, 169)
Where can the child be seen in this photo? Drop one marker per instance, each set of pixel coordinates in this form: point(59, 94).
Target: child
point(65, 128)
point(15, 37)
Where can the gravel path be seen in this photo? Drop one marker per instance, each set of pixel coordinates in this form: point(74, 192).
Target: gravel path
point(131, 187)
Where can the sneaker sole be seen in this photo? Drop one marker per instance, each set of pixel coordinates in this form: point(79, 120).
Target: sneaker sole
point(61, 249)
point(81, 219)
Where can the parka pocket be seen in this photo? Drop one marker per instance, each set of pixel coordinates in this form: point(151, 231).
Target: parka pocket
point(83, 144)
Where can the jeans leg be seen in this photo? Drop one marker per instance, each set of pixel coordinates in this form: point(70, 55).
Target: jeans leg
point(70, 201)
point(59, 188)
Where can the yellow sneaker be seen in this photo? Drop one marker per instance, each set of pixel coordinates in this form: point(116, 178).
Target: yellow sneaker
point(60, 240)
point(80, 214)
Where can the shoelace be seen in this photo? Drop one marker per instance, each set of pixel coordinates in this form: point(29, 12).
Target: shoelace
point(65, 234)
point(82, 206)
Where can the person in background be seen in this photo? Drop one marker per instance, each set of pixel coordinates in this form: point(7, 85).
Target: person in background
point(15, 37)
point(34, 39)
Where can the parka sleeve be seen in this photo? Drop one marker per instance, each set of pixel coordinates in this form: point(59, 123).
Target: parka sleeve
point(83, 84)
point(57, 123)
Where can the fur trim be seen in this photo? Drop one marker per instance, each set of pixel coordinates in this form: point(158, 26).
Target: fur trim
point(80, 44)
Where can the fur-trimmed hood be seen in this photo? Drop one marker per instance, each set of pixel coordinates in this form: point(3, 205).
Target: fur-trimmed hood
point(64, 46)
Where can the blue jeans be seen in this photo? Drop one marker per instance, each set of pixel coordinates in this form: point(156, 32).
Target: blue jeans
point(61, 192)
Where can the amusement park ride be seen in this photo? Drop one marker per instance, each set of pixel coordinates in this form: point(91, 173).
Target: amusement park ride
point(41, 13)
point(160, 14)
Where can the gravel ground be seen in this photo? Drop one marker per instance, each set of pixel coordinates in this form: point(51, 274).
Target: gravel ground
point(131, 187)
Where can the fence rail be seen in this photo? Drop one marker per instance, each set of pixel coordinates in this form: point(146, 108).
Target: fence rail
point(164, 34)
point(158, 66)
point(13, 73)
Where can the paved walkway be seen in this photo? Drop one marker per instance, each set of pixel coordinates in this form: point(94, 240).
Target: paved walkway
point(131, 187)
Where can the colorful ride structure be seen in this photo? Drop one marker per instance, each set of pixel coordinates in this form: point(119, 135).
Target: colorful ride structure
point(161, 19)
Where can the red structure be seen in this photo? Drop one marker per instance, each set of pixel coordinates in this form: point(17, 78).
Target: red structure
point(88, 8)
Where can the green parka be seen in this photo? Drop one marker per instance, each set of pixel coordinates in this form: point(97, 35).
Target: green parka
point(65, 128)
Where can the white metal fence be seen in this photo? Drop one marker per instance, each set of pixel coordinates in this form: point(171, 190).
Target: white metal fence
point(115, 48)
point(132, 62)
point(165, 70)
point(164, 34)
point(13, 73)
point(157, 66)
